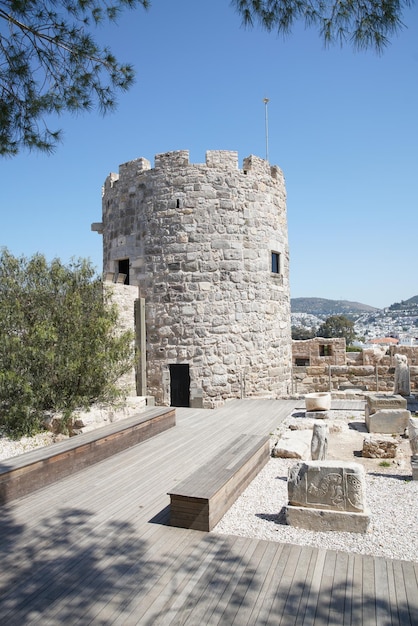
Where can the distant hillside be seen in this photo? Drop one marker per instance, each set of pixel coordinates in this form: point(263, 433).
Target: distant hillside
point(405, 305)
point(323, 307)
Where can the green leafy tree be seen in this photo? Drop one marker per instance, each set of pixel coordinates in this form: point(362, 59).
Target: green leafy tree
point(300, 332)
point(337, 326)
point(58, 348)
point(49, 62)
point(361, 23)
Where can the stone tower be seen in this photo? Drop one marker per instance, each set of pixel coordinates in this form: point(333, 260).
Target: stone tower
point(207, 246)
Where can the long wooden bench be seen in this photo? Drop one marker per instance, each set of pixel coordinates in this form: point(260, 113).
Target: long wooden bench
point(200, 501)
point(24, 474)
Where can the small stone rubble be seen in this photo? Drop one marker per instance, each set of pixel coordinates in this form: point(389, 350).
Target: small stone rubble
point(10, 447)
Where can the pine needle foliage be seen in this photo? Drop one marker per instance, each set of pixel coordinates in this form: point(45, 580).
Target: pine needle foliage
point(50, 63)
point(362, 24)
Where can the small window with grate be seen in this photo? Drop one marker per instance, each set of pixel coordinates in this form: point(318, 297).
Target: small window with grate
point(275, 263)
point(302, 362)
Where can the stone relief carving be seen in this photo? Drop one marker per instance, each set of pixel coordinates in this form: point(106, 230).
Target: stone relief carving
point(338, 486)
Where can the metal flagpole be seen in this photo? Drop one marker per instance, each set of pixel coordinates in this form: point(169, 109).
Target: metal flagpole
point(266, 101)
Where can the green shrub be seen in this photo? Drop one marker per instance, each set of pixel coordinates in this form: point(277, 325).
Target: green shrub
point(58, 348)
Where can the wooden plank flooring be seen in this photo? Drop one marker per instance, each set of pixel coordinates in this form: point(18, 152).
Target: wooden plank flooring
point(95, 548)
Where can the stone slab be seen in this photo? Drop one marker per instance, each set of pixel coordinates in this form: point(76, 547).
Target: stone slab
point(293, 446)
point(414, 465)
point(317, 415)
point(388, 421)
point(377, 401)
point(327, 521)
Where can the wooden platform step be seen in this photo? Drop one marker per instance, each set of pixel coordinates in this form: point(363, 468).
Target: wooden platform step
point(24, 474)
point(200, 501)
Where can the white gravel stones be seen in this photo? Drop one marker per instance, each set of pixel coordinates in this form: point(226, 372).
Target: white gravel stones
point(392, 497)
point(9, 447)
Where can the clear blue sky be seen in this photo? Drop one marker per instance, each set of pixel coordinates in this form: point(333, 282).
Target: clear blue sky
point(343, 126)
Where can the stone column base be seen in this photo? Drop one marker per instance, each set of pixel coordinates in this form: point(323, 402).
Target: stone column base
point(317, 415)
point(414, 465)
point(327, 520)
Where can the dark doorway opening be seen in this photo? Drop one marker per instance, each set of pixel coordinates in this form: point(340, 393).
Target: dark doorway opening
point(123, 270)
point(179, 385)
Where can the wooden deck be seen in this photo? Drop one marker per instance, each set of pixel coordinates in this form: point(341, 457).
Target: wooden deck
point(22, 475)
point(95, 548)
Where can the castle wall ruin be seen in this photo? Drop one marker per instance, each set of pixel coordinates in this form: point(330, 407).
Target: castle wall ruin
point(316, 369)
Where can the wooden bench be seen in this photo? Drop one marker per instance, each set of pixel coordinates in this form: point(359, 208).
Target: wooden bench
point(200, 501)
point(24, 474)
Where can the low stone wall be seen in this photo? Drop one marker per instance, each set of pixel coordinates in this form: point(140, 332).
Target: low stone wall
point(337, 377)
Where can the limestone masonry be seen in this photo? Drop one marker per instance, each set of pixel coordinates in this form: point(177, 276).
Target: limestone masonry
point(207, 246)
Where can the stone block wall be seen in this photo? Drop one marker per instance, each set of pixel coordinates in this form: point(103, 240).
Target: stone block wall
point(371, 368)
point(124, 296)
point(198, 240)
point(371, 377)
point(411, 352)
point(318, 351)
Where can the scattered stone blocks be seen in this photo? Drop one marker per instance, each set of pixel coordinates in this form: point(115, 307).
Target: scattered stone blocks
point(327, 496)
point(380, 448)
point(386, 414)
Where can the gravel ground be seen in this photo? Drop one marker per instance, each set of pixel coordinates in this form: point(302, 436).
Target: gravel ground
point(392, 498)
point(9, 447)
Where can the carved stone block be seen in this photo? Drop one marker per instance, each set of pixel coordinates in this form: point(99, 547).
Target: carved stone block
point(335, 485)
point(327, 495)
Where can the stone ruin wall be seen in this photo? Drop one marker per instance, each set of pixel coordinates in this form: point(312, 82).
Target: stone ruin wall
point(319, 350)
point(359, 370)
point(199, 239)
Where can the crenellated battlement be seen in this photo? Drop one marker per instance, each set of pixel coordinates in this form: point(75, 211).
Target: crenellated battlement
point(224, 160)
